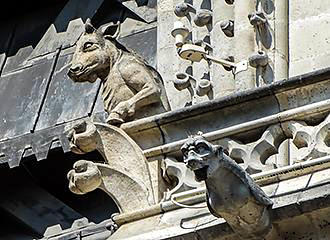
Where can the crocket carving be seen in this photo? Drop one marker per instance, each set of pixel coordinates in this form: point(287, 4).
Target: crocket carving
point(124, 175)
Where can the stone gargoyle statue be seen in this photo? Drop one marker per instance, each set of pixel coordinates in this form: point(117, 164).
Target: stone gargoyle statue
point(131, 88)
point(124, 175)
point(230, 192)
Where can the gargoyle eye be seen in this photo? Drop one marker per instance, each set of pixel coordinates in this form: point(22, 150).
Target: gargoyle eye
point(88, 45)
point(184, 151)
point(202, 148)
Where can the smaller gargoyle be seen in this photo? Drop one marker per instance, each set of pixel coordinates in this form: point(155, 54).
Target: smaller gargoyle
point(230, 192)
point(131, 88)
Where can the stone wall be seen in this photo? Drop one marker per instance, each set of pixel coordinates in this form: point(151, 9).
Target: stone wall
point(268, 34)
point(309, 46)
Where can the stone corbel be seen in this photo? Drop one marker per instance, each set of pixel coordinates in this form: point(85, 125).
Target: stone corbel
point(124, 175)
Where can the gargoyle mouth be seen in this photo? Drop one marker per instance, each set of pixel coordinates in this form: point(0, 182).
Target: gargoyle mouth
point(83, 74)
point(201, 174)
point(84, 177)
point(197, 165)
point(194, 163)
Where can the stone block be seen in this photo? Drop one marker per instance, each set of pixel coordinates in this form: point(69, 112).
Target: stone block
point(270, 190)
point(293, 185)
point(320, 177)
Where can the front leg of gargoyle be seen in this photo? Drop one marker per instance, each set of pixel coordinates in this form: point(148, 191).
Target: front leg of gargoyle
point(139, 78)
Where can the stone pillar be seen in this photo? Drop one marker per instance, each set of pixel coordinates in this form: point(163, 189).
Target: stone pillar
point(281, 66)
point(244, 42)
point(223, 81)
point(281, 39)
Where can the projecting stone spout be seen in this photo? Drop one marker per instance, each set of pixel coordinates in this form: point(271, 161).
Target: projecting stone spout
point(231, 193)
point(124, 175)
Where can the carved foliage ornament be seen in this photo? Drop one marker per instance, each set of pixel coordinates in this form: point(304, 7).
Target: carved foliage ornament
point(124, 175)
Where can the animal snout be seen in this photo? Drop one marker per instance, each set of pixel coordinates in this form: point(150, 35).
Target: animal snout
point(75, 68)
point(192, 164)
point(80, 166)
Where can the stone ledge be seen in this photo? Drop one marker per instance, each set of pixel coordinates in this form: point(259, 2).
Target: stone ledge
point(192, 222)
point(232, 110)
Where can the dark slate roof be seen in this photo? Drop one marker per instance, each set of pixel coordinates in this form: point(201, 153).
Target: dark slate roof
point(38, 101)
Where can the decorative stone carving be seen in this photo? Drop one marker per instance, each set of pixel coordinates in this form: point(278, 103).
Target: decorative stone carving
point(257, 18)
point(200, 87)
point(228, 27)
point(311, 141)
point(230, 192)
point(131, 88)
point(183, 9)
point(180, 33)
point(179, 177)
point(230, 2)
point(259, 61)
point(124, 175)
point(254, 155)
point(203, 17)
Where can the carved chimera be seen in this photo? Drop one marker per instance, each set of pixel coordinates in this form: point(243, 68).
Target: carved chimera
point(131, 88)
point(230, 192)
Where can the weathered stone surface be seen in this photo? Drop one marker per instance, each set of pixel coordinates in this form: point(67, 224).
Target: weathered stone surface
point(131, 89)
point(320, 177)
point(293, 185)
point(307, 28)
point(125, 175)
point(179, 178)
point(311, 141)
point(246, 210)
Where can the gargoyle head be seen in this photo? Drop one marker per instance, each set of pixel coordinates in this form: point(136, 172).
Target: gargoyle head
point(84, 177)
point(83, 137)
point(199, 154)
point(94, 53)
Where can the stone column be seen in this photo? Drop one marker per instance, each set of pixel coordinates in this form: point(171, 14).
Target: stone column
point(244, 42)
point(281, 66)
point(223, 81)
point(281, 39)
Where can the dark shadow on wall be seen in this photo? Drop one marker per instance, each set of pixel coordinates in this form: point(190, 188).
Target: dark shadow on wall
point(35, 196)
point(51, 174)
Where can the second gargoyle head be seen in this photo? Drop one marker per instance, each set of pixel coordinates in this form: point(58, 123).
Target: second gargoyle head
point(199, 155)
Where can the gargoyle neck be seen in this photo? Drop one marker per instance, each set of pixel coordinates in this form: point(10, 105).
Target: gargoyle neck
point(115, 54)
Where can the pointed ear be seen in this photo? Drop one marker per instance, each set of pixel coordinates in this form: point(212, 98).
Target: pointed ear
point(220, 150)
point(89, 28)
point(110, 31)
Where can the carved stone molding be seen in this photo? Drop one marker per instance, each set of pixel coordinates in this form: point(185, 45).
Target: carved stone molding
point(179, 177)
point(253, 156)
point(124, 175)
point(311, 141)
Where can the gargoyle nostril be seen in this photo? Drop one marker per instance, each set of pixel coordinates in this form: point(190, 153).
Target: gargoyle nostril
point(80, 166)
point(75, 68)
